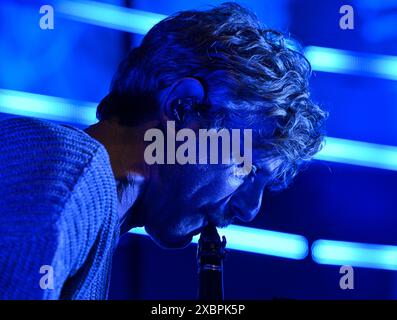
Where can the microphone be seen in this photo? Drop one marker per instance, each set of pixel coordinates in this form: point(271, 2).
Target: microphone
point(210, 255)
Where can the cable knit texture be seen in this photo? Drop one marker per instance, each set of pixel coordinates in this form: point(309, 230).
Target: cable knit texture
point(58, 208)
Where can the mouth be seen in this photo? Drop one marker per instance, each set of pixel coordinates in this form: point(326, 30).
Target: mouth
point(176, 241)
point(187, 239)
point(198, 230)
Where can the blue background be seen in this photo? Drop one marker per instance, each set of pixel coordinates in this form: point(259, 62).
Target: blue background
point(332, 201)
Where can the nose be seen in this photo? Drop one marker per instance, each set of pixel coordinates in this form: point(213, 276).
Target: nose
point(247, 200)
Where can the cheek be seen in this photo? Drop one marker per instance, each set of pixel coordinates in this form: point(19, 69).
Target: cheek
point(195, 185)
point(219, 184)
point(227, 179)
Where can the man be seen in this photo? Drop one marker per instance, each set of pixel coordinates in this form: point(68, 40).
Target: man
point(65, 193)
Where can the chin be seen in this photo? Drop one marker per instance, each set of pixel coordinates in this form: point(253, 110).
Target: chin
point(174, 243)
point(168, 242)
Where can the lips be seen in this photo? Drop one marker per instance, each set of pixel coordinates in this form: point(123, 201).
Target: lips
point(184, 241)
point(198, 230)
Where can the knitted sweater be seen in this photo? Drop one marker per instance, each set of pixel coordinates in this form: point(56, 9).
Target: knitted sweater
point(58, 212)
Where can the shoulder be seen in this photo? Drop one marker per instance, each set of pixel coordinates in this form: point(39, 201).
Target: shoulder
point(41, 163)
point(40, 135)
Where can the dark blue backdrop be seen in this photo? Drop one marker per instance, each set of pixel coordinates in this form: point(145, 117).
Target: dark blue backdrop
point(330, 200)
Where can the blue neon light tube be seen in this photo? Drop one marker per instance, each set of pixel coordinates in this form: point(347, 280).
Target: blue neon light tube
point(353, 63)
point(242, 238)
point(83, 113)
point(355, 254)
point(108, 15)
point(140, 22)
point(359, 153)
point(285, 245)
point(47, 107)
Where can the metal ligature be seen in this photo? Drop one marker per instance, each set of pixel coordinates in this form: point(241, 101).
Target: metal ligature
point(210, 256)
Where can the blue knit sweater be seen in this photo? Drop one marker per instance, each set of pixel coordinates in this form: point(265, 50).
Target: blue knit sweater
point(58, 209)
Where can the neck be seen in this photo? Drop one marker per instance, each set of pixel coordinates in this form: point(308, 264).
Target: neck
point(125, 146)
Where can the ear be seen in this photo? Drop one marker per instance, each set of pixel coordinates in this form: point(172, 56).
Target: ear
point(184, 90)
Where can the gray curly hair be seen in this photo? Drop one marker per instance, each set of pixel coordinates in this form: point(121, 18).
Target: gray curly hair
point(254, 77)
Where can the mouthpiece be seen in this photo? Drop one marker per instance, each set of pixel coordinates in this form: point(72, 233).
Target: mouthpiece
point(210, 255)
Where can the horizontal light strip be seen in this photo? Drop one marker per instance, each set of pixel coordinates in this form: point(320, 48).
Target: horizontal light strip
point(140, 22)
point(258, 241)
point(109, 16)
point(354, 63)
point(83, 113)
point(47, 107)
point(355, 254)
point(359, 153)
point(243, 238)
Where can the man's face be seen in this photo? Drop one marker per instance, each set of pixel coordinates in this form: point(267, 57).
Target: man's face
point(179, 200)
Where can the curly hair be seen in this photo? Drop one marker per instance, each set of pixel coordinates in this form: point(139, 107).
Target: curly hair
point(254, 78)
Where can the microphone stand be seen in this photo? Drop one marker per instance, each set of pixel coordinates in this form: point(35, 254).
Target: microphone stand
point(210, 255)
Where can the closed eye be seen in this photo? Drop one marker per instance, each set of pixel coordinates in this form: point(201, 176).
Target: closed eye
point(241, 172)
